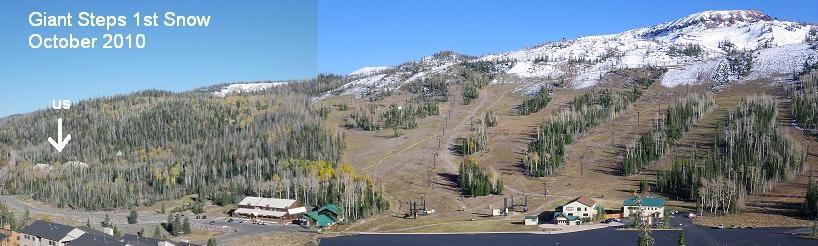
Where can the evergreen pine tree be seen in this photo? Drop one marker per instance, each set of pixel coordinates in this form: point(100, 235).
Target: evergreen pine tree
point(133, 217)
point(117, 233)
point(186, 226)
point(177, 228)
point(27, 218)
point(645, 239)
point(157, 232)
point(106, 222)
point(682, 238)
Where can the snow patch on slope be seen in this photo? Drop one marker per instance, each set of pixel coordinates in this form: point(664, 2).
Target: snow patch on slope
point(583, 61)
point(368, 70)
point(781, 60)
point(245, 87)
point(690, 73)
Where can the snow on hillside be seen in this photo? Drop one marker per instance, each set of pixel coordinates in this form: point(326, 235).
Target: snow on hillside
point(747, 29)
point(391, 78)
point(650, 46)
point(368, 70)
point(689, 73)
point(781, 60)
point(778, 48)
point(245, 87)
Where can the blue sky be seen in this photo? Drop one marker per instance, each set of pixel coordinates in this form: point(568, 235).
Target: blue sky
point(246, 41)
point(358, 33)
point(292, 39)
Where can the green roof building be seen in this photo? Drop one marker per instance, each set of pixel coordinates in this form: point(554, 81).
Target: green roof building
point(649, 208)
point(647, 201)
point(561, 218)
point(325, 216)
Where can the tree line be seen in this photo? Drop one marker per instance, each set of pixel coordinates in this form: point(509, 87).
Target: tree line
point(477, 180)
point(679, 118)
point(142, 148)
point(546, 152)
point(737, 63)
point(536, 102)
point(750, 155)
point(404, 116)
point(805, 101)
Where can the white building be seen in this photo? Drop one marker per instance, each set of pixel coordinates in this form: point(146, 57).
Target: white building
point(270, 208)
point(582, 207)
point(650, 208)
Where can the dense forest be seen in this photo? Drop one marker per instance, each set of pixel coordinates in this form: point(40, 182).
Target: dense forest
point(750, 155)
point(805, 102)
point(138, 149)
point(545, 155)
point(490, 119)
point(476, 141)
point(404, 116)
point(737, 63)
point(535, 103)
point(478, 180)
point(679, 118)
point(810, 205)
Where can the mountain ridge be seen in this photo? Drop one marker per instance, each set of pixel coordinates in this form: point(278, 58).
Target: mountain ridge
point(584, 60)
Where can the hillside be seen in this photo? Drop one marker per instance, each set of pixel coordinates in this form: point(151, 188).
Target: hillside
point(550, 123)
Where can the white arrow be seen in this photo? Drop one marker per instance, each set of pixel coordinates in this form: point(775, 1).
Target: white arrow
point(60, 143)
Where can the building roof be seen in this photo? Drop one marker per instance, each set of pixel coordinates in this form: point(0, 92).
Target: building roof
point(331, 208)
point(50, 231)
point(135, 240)
point(587, 201)
point(266, 202)
point(298, 210)
point(528, 217)
point(96, 239)
point(561, 214)
point(259, 212)
point(322, 220)
point(645, 201)
point(250, 201)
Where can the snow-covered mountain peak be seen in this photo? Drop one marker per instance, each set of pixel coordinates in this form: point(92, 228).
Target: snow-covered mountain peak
point(746, 29)
point(719, 18)
point(705, 20)
point(692, 48)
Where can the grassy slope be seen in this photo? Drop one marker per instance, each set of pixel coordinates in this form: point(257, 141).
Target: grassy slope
point(402, 163)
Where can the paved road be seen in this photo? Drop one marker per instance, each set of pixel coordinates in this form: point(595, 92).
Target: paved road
point(694, 235)
point(78, 215)
point(234, 229)
point(595, 237)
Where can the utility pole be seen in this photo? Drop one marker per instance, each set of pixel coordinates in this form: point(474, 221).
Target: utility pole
point(582, 165)
point(428, 178)
point(613, 144)
point(414, 210)
point(545, 189)
point(434, 163)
